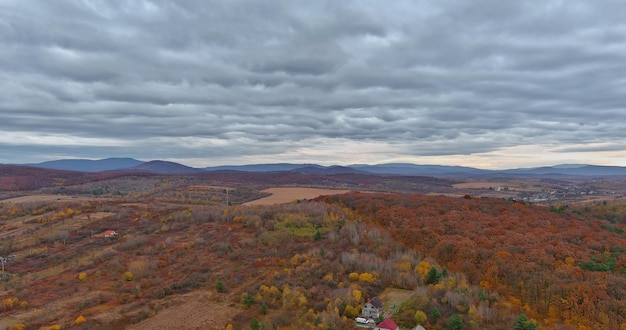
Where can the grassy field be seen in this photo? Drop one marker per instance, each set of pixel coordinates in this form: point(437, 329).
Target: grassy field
point(394, 297)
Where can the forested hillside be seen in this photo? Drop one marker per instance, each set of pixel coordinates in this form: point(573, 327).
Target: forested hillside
point(558, 265)
point(182, 256)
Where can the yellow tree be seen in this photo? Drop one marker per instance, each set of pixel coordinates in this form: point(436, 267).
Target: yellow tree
point(420, 317)
point(366, 277)
point(351, 312)
point(422, 269)
point(357, 295)
point(353, 277)
point(80, 320)
point(128, 276)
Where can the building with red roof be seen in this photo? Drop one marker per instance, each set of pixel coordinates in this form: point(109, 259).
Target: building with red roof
point(387, 324)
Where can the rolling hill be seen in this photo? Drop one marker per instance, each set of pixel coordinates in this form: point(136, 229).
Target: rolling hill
point(86, 165)
point(405, 169)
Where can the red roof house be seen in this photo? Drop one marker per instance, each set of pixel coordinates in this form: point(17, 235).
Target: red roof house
point(110, 233)
point(387, 324)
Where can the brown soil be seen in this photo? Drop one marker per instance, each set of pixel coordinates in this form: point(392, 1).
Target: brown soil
point(46, 198)
point(288, 194)
point(194, 311)
point(479, 185)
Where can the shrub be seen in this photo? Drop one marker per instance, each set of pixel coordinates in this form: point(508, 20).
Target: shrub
point(80, 319)
point(220, 287)
point(128, 276)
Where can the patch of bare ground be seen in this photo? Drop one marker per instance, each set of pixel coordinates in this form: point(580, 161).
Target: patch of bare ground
point(190, 311)
point(395, 297)
point(6, 322)
point(598, 199)
point(478, 185)
point(280, 195)
point(48, 198)
point(200, 188)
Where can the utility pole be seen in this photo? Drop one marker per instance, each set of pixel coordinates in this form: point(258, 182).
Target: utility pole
point(3, 260)
point(227, 199)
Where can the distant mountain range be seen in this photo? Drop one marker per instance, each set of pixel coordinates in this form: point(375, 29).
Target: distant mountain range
point(165, 167)
point(86, 165)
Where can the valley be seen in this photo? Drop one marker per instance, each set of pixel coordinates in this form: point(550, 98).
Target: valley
point(307, 251)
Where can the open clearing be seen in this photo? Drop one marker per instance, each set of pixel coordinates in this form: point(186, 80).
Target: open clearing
point(190, 311)
point(46, 198)
point(479, 185)
point(395, 297)
point(287, 194)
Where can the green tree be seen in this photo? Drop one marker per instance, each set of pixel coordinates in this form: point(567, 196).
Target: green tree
point(444, 272)
point(433, 276)
point(318, 235)
point(435, 313)
point(523, 323)
point(254, 324)
point(220, 287)
point(455, 322)
point(248, 300)
point(482, 296)
point(264, 309)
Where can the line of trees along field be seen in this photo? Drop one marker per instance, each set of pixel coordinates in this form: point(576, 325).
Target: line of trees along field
point(465, 262)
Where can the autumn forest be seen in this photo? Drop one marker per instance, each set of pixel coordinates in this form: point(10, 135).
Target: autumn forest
point(147, 251)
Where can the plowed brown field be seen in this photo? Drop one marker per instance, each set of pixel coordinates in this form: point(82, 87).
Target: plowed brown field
point(193, 312)
point(287, 194)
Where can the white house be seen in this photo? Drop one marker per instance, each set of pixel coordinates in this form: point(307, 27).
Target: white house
point(372, 309)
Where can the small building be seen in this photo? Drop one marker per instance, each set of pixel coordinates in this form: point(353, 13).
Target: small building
point(372, 309)
point(110, 233)
point(387, 324)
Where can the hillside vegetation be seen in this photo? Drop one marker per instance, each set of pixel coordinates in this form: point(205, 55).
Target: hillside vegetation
point(183, 255)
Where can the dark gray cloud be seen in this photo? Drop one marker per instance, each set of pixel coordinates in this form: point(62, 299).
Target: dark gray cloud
point(215, 82)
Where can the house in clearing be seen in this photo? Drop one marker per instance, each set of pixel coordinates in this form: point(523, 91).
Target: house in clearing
point(372, 309)
point(387, 324)
point(110, 233)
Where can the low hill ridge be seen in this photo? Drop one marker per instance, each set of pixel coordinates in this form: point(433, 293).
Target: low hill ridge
point(87, 165)
point(160, 166)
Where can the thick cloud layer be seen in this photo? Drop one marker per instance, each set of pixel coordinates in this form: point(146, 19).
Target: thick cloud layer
point(483, 83)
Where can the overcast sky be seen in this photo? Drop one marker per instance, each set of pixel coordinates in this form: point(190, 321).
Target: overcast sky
point(483, 83)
